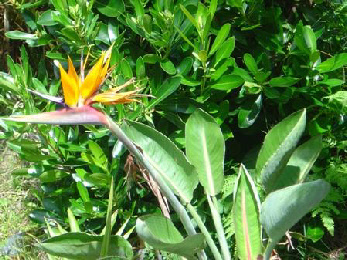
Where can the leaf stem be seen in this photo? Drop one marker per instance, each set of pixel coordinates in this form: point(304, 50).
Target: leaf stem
point(107, 236)
point(206, 233)
point(213, 203)
point(175, 203)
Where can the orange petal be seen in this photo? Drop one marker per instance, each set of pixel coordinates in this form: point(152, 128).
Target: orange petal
point(72, 72)
point(70, 88)
point(104, 71)
point(91, 83)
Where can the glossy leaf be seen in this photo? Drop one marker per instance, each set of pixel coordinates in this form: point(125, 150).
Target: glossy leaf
point(283, 82)
point(250, 63)
point(284, 208)
point(47, 19)
point(221, 36)
point(112, 9)
point(85, 247)
point(228, 82)
point(225, 50)
point(247, 116)
point(168, 67)
point(140, 68)
point(205, 150)
point(17, 35)
point(165, 157)
point(185, 66)
point(166, 89)
point(160, 233)
point(246, 217)
point(74, 227)
point(334, 63)
point(278, 146)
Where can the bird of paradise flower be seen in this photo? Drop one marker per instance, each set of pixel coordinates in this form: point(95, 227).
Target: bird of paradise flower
point(80, 93)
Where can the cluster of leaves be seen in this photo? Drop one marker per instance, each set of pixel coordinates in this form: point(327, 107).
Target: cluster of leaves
point(247, 63)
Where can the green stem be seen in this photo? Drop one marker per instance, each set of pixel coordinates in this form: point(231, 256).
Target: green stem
point(219, 227)
point(178, 207)
point(107, 236)
point(204, 230)
point(269, 249)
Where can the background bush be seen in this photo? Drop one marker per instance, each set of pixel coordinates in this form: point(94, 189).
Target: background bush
point(247, 63)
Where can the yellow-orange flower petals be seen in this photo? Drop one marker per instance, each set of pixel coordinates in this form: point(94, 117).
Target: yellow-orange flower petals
point(72, 72)
point(94, 78)
point(113, 97)
point(70, 87)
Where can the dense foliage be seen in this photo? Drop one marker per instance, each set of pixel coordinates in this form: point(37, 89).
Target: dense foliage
point(248, 64)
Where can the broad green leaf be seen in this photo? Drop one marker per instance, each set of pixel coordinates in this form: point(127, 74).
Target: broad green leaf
point(331, 82)
point(168, 67)
point(74, 227)
point(7, 82)
point(47, 19)
point(98, 179)
point(185, 66)
point(126, 69)
point(61, 18)
point(71, 35)
point(140, 68)
point(52, 175)
point(246, 217)
point(147, 23)
point(190, 17)
point(225, 50)
point(85, 247)
point(221, 36)
point(248, 115)
point(305, 39)
point(17, 35)
point(338, 101)
point(222, 68)
point(190, 82)
point(83, 192)
point(151, 58)
point(299, 163)
point(278, 146)
point(205, 150)
point(112, 9)
point(139, 10)
point(100, 158)
point(284, 208)
point(55, 56)
point(250, 63)
point(160, 233)
point(310, 38)
point(314, 233)
point(334, 63)
point(283, 82)
point(165, 157)
point(228, 82)
point(213, 7)
point(167, 88)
